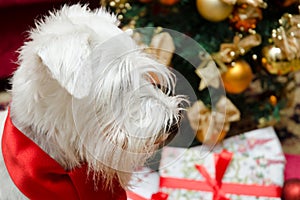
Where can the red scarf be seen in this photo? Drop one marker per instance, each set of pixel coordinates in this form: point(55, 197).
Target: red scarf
point(38, 176)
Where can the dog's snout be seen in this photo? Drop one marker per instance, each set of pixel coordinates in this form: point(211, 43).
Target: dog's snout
point(172, 130)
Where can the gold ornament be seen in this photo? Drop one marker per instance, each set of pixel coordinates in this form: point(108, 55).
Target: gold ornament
point(254, 3)
point(161, 48)
point(214, 10)
point(208, 73)
point(275, 62)
point(245, 17)
point(241, 45)
point(227, 53)
point(284, 56)
point(238, 77)
point(211, 126)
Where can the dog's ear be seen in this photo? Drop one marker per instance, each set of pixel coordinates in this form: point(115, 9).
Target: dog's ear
point(68, 60)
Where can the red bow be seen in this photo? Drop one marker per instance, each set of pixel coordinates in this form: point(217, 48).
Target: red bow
point(216, 186)
point(38, 176)
point(222, 161)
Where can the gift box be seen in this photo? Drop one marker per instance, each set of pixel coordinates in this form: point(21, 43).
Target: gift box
point(145, 185)
point(244, 167)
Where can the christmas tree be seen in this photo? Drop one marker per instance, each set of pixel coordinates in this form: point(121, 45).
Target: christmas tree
point(255, 44)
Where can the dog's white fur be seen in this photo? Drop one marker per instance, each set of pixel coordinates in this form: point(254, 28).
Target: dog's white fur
point(83, 93)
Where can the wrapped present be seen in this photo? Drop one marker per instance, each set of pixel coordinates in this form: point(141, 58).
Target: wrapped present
point(249, 166)
point(145, 185)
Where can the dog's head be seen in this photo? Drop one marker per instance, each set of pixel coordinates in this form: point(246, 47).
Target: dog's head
point(86, 93)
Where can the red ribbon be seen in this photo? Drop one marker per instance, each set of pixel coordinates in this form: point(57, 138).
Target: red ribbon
point(156, 196)
point(216, 186)
point(222, 161)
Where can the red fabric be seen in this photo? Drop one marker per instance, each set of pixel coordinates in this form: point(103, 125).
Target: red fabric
point(216, 186)
point(15, 21)
point(38, 176)
point(292, 166)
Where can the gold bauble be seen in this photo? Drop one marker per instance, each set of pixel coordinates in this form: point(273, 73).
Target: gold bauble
point(214, 10)
point(238, 77)
point(274, 61)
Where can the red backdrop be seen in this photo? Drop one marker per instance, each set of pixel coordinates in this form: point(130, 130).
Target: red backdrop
point(16, 18)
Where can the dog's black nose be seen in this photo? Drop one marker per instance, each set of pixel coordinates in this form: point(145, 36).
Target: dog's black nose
point(171, 131)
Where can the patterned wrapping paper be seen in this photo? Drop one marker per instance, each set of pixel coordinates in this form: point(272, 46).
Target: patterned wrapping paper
point(144, 183)
point(257, 160)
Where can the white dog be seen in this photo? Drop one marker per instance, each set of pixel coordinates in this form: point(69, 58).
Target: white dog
point(85, 94)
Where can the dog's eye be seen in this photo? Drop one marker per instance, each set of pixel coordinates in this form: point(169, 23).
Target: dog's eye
point(165, 90)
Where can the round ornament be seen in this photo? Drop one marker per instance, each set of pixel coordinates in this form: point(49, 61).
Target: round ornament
point(291, 189)
point(238, 77)
point(274, 61)
point(214, 10)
